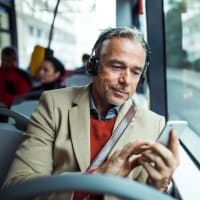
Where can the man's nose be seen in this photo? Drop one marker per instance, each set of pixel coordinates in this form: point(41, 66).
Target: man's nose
point(125, 77)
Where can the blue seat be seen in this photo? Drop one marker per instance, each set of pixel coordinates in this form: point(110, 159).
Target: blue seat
point(26, 104)
point(11, 137)
point(34, 95)
point(70, 182)
point(77, 80)
point(25, 108)
point(20, 121)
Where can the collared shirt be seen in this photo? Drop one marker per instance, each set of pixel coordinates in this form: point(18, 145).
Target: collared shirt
point(109, 115)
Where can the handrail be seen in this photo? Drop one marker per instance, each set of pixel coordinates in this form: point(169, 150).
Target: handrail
point(69, 182)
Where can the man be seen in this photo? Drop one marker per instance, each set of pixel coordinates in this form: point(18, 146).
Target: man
point(13, 81)
point(71, 125)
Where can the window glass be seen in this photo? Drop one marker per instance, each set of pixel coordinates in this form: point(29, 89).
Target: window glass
point(76, 27)
point(182, 30)
point(4, 39)
point(4, 22)
point(6, 2)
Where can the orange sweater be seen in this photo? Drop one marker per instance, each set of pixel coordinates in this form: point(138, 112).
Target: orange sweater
point(100, 132)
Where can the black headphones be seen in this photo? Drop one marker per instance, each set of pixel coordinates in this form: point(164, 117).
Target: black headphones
point(93, 62)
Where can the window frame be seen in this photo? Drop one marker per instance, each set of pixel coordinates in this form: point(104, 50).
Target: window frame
point(158, 85)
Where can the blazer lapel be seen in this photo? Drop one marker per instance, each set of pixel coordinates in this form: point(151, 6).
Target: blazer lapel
point(79, 119)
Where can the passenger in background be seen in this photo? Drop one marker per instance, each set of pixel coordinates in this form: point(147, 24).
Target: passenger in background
point(13, 81)
point(82, 69)
point(51, 74)
point(79, 76)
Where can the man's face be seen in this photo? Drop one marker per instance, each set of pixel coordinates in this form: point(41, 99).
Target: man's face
point(121, 64)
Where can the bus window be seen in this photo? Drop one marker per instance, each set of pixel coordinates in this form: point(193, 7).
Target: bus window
point(4, 28)
point(183, 68)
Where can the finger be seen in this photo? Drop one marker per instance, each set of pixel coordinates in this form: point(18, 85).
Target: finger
point(151, 157)
point(174, 144)
point(152, 172)
point(155, 178)
point(165, 153)
point(134, 163)
point(134, 147)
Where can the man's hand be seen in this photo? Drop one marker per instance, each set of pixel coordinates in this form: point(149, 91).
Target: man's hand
point(120, 163)
point(161, 162)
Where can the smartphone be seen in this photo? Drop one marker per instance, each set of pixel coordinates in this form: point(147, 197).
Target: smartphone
point(178, 125)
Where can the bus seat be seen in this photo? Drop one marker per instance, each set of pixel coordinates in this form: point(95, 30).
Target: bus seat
point(10, 140)
point(26, 108)
point(34, 95)
point(26, 104)
point(11, 136)
point(77, 80)
point(20, 121)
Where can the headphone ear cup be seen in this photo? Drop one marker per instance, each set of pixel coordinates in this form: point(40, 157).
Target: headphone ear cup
point(143, 75)
point(140, 85)
point(141, 81)
point(92, 66)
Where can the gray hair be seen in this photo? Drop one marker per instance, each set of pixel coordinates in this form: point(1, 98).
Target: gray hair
point(120, 32)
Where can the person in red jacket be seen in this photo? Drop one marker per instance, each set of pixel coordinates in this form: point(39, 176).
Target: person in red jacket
point(13, 81)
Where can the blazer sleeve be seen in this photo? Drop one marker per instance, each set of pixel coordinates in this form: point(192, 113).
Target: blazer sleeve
point(34, 156)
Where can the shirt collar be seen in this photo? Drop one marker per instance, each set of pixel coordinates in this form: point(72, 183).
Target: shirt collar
point(109, 115)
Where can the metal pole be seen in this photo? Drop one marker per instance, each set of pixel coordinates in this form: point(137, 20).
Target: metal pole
point(52, 24)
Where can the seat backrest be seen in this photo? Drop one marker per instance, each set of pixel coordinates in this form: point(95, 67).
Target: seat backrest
point(11, 137)
point(20, 121)
point(26, 107)
point(26, 104)
point(77, 80)
point(34, 95)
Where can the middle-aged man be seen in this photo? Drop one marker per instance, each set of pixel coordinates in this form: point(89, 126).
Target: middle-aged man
point(71, 125)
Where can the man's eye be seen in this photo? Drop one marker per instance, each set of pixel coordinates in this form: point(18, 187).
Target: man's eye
point(116, 67)
point(137, 73)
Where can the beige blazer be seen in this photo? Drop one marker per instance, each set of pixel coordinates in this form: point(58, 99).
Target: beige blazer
point(58, 135)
